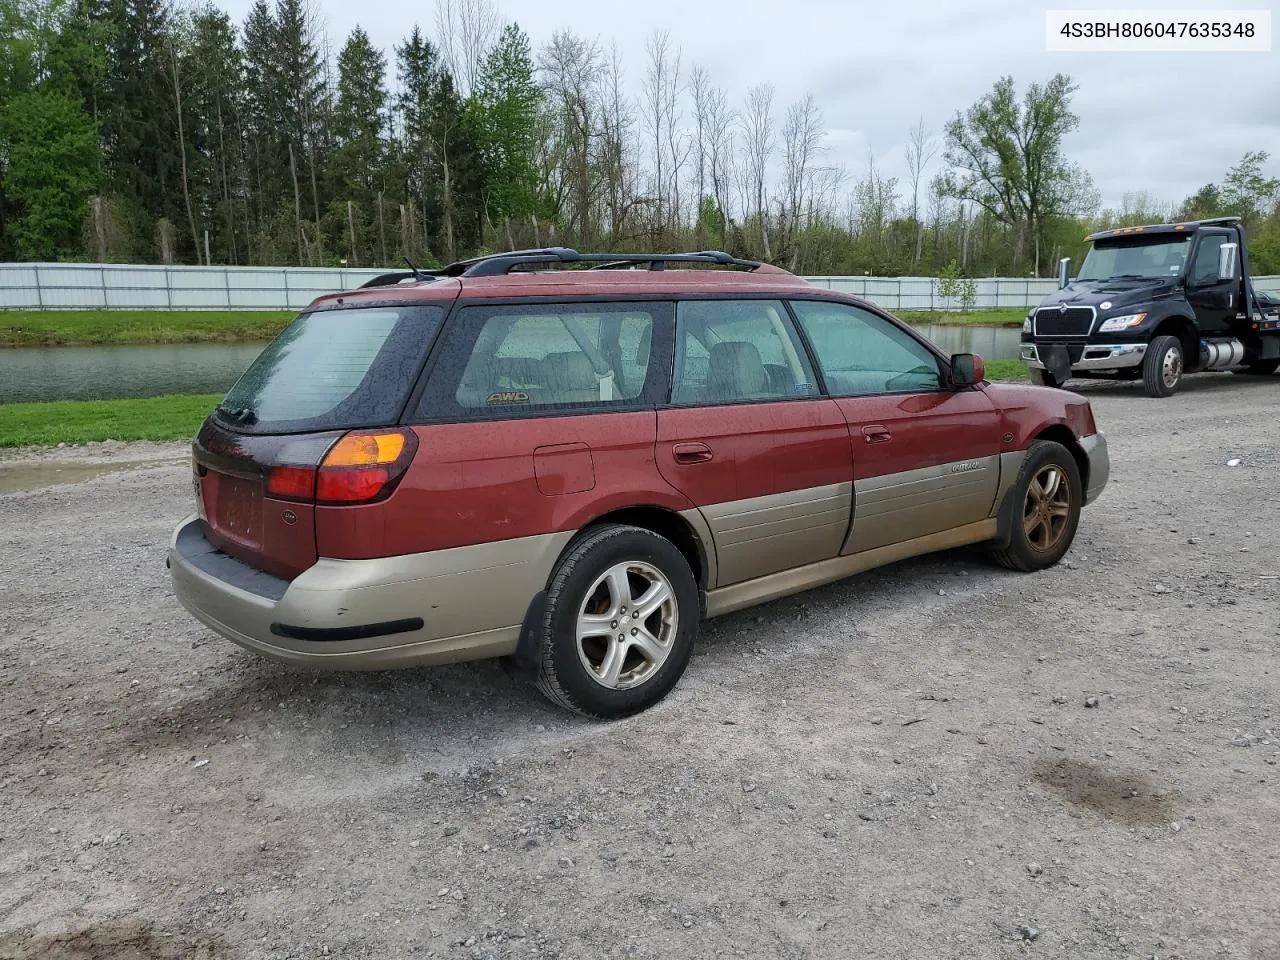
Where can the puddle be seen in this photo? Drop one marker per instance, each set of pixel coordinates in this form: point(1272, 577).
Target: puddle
point(22, 477)
point(1124, 795)
point(113, 940)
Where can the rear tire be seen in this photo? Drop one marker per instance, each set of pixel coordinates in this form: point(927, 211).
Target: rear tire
point(1042, 378)
point(1043, 509)
point(1163, 366)
point(619, 624)
point(1260, 368)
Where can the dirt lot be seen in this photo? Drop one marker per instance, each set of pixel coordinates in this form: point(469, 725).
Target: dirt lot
point(899, 766)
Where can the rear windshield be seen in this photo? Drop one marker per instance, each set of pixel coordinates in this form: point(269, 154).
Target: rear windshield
point(334, 369)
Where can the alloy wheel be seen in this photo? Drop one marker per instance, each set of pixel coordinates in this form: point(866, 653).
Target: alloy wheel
point(626, 626)
point(1047, 510)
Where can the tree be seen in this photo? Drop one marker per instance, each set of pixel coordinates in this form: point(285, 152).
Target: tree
point(1246, 192)
point(572, 69)
point(920, 151)
point(466, 30)
point(509, 100)
point(802, 133)
point(759, 141)
point(50, 173)
point(1007, 156)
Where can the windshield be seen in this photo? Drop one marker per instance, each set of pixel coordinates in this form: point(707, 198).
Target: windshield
point(334, 369)
point(1140, 258)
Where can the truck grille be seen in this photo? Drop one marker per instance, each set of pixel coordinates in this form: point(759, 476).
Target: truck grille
point(1053, 322)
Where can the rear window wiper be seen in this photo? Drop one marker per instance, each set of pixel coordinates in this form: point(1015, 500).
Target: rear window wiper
point(241, 415)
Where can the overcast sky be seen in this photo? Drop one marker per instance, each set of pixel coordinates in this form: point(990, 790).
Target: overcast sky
point(1166, 123)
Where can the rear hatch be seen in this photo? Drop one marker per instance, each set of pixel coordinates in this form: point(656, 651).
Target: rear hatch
point(303, 425)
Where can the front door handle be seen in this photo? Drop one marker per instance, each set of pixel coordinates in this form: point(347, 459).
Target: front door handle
point(691, 452)
point(876, 434)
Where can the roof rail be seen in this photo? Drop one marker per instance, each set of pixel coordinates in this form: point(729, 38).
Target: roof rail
point(500, 264)
point(391, 279)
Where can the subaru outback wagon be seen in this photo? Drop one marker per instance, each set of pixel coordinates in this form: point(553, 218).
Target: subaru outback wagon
point(574, 458)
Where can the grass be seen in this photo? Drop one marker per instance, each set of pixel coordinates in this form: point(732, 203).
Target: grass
point(1001, 317)
point(83, 421)
point(34, 328)
point(1014, 370)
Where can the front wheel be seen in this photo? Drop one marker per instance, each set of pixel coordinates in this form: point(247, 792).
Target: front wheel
point(1162, 367)
point(1043, 509)
point(621, 616)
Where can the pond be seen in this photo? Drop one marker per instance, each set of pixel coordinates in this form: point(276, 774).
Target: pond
point(152, 370)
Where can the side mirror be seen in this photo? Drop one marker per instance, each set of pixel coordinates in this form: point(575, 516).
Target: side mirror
point(1227, 261)
point(1064, 271)
point(967, 369)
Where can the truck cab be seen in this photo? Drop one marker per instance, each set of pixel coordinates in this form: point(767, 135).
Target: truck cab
point(1153, 303)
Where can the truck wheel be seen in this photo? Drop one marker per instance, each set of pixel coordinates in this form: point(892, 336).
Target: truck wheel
point(620, 619)
point(1043, 509)
point(1042, 378)
point(1162, 367)
point(1260, 368)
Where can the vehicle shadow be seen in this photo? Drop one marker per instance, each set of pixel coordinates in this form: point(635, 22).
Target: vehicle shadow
point(460, 711)
point(1209, 383)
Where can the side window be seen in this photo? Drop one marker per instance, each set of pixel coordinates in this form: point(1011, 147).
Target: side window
point(729, 351)
point(1205, 268)
point(862, 354)
point(500, 361)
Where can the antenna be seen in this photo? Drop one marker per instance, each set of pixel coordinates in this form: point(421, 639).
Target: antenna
point(417, 274)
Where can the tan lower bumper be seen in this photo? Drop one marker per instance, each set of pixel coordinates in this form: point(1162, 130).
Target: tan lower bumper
point(470, 603)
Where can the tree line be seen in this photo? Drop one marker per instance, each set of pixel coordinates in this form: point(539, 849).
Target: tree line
point(141, 131)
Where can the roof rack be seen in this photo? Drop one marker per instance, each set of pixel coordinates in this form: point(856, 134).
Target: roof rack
point(500, 264)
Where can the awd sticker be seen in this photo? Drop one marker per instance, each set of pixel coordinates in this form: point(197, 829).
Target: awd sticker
point(509, 396)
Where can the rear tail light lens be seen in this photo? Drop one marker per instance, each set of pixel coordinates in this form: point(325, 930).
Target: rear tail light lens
point(365, 467)
point(292, 483)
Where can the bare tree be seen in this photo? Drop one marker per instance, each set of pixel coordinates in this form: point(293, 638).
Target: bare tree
point(801, 144)
point(921, 149)
point(721, 143)
point(700, 93)
point(174, 76)
point(661, 121)
point(759, 141)
point(571, 68)
point(466, 30)
point(617, 154)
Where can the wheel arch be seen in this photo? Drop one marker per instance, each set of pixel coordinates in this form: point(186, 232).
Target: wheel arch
point(1061, 433)
point(695, 547)
point(1183, 327)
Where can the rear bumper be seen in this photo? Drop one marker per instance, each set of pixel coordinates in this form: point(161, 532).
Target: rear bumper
point(1095, 356)
point(1095, 449)
point(444, 606)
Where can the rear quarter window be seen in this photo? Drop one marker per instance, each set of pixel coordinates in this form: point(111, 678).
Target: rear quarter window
point(334, 369)
point(509, 361)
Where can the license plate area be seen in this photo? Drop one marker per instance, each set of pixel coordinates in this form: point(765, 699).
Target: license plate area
point(234, 505)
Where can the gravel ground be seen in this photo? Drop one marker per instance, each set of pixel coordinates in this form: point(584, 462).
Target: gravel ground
point(936, 760)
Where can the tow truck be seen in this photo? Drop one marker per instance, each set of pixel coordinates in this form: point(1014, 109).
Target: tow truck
point(1153, 303)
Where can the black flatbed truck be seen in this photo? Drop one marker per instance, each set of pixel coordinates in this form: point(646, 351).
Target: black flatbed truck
point(1153, 303)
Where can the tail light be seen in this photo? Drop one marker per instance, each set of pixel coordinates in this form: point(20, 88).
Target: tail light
point(361, 467)
point(365, 467)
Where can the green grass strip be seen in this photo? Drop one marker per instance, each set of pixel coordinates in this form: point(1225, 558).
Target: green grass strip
point(83, 421)
point(35, 328)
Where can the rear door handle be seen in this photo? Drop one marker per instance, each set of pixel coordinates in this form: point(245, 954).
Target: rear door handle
point(876, 434)
point(691, 452)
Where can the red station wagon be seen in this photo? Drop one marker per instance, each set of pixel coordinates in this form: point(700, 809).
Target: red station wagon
point(518, 456)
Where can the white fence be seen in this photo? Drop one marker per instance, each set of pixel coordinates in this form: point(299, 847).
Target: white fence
point(82, 286)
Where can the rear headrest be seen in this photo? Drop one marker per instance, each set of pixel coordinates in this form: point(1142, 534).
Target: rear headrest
point(734, 370)
point(568, 371)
